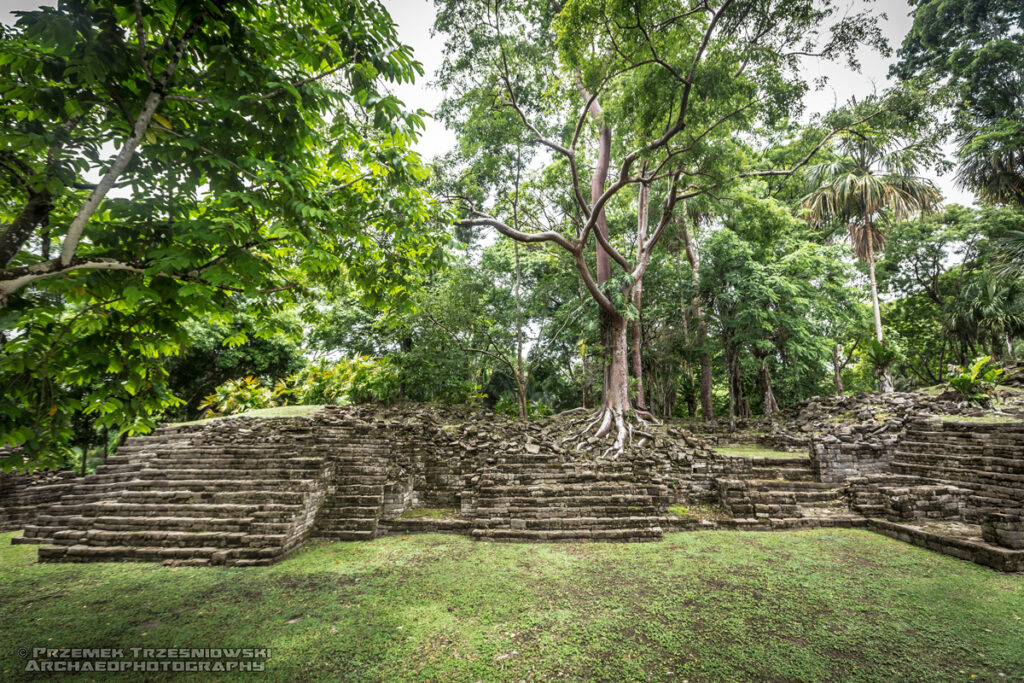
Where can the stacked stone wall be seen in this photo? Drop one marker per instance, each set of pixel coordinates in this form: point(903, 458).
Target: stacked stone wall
point(855, 451)
point(23, 495)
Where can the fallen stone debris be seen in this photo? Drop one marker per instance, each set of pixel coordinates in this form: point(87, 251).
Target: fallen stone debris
point(241, 491)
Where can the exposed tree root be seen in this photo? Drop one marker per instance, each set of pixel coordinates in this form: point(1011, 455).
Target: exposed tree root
point(601, 424)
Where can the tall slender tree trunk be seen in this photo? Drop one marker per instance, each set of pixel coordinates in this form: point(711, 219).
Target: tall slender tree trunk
point(707, 407)
point(520, 373)
point(837, 370)
point(601, 226)
point(884, 374)
point(729, 352)
point(684, 314)
point(641, 237)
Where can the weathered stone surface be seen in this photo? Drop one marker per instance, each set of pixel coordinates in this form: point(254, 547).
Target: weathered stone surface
point(22, 495)
point(247, 491)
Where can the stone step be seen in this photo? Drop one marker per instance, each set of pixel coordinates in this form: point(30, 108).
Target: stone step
point(180, 509)
point(184, 556)
point(788, 473)
point(797, 461)
point(1012, 466)
point(178, 496)
point(164, 523)
point(150, 472)
point(537, 535)
point(338, 512)
point(533, 502)
point(585, 523)
point(294, 463)
point(343, 500)
point(783, 497)
point(343, 534)
point(169, 539)
point(775, 485)
point(1006, 484)
point(556, 512)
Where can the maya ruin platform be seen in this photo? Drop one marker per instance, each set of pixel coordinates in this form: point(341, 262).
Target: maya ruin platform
point(247, 491)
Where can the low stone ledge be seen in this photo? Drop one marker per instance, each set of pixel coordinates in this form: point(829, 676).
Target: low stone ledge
point(1003, 528)
point(425, 526)
point(1001, 559)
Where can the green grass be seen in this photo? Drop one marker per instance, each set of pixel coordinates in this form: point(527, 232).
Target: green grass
point(818, 605)
point(753, 451)
point(280, 411)
point(430, 513)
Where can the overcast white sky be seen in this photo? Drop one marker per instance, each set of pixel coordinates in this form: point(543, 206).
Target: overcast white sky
point(415, 18)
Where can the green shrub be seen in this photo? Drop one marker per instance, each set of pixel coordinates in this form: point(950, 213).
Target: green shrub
point(349, 380)
point(977, 382)
point(238, 396)
point(508, 405)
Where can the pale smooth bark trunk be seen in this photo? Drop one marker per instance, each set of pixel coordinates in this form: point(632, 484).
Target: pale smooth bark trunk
point(616, 397)
point(837, 371)
point(768, 403)
point(641, 237)
point(601, 226)
point(884, 375)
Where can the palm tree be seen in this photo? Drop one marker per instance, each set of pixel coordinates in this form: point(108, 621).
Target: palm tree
point(990, 313)
point(864, 187)
point(992, 162)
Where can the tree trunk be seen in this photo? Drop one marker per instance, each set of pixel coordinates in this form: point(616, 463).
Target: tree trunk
point(730, 354)
point(884, 375)
point(601, 226)
point(641, 237)
point(638, 365)
point(707, 407)
point(837, 371)
point(520, 373)
point(521, 395)
point(768, 403)
point(36, 210)
point(616, 406)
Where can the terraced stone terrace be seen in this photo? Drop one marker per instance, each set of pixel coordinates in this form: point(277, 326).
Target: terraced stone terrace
point(249, 491)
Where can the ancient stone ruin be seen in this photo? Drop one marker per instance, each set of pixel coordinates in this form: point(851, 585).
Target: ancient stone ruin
point(246, 491)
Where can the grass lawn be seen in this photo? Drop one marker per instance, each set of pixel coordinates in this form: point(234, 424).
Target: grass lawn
point(755, 451)
point(280, 411)
point(818, 605)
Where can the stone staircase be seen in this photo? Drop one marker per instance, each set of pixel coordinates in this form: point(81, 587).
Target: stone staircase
point(781, 488)
point(352, 507)
point(234, 492)
point(983, 461)
point(538, 497)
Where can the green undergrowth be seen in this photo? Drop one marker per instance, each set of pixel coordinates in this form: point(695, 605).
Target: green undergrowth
point(818, 605)
point(754, 451)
